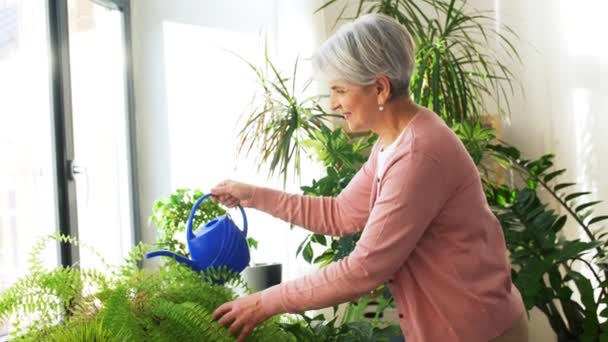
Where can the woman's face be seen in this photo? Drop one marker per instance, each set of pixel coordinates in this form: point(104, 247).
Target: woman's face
point(357, 104)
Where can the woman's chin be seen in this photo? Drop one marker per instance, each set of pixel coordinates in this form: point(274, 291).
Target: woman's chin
point(353, 127)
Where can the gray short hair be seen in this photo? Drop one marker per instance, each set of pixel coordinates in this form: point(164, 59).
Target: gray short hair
point(359, 51)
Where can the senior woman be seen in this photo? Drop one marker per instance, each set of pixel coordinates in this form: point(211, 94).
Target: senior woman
point(427, 230)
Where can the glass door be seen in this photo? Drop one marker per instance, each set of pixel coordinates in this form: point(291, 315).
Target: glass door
point(100, 129)
point(28, 205)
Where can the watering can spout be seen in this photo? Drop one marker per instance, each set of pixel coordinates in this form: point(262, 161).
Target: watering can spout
point(177, 257)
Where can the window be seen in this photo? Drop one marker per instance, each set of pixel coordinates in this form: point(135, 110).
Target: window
point(100, 131)
point(48, 119)
point(27, 191)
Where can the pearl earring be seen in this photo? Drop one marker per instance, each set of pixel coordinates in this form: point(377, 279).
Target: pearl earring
point(380, 108)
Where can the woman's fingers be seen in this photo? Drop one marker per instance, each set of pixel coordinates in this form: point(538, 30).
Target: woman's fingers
point(243, 315)
point(221, 188)
point(223, 309)
point(232, 202)
point(235, 327)
point(227, 318)
point(227, 200)
point(244, 333)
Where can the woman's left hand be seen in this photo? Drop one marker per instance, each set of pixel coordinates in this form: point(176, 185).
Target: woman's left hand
point(242, 314)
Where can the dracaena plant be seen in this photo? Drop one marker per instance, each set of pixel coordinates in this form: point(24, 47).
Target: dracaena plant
point(280, 120)
point(455, 74)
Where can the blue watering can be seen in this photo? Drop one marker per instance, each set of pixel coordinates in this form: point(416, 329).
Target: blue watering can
point(217, 243)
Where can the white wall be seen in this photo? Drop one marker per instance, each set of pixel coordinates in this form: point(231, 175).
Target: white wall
point(190, 92)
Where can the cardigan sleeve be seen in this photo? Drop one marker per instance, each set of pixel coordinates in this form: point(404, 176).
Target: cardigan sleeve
point(336, 216)
point(412, 195)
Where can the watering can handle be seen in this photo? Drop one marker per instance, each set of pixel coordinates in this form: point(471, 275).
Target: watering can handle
point(197, 204)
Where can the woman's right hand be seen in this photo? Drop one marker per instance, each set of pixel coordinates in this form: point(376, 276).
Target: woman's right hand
point(231, 193)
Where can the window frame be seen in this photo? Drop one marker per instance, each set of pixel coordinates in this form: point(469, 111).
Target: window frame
point(63, 149)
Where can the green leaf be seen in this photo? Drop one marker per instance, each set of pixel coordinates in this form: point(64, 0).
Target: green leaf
point(586, 291)
point(559, 223)
point(321, 239)
point(575, 195)
point(308, 253)
point(573, 249)
point(562, 186)
point(555, 278)
point(597, 219)
point(252, 243)
point(327, 3)
point(586, 205)
point(325, 258)
point(552, 175)
point(302, 244)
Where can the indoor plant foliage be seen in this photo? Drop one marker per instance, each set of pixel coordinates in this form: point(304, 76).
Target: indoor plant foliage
point(170, 214)
point(126, 304)
point(276, 127)
point(342, 156)
point(454, 76)
point(347, 329)
point(546, 266)
point(134, 304)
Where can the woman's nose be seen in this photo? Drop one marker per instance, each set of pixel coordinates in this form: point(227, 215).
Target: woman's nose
point(333, 105)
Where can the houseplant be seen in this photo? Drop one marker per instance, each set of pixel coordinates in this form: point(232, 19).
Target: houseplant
point(134, 304)
point(125, 304)
point(278, 124)
point(455, 73)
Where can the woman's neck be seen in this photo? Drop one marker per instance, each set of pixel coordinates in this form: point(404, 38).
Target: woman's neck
point(394, 119)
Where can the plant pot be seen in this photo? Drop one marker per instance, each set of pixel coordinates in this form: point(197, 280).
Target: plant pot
point(262, 276)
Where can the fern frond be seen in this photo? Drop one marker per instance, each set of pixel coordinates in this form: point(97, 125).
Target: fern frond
point(74, 331)
point(131, 304)
point(223, 275)
point(118, 317)
point(189, 322)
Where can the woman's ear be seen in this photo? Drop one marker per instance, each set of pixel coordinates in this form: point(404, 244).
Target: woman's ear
point(383, 89)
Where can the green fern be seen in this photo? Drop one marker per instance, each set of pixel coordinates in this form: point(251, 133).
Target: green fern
point(73, 331)
point(118, 316)
point(189, 321)
point(129, 304)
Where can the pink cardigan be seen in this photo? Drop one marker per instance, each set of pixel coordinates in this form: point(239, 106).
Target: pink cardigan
point(427, 231)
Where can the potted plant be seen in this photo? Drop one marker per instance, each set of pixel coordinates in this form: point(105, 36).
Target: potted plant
point(124, 304)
